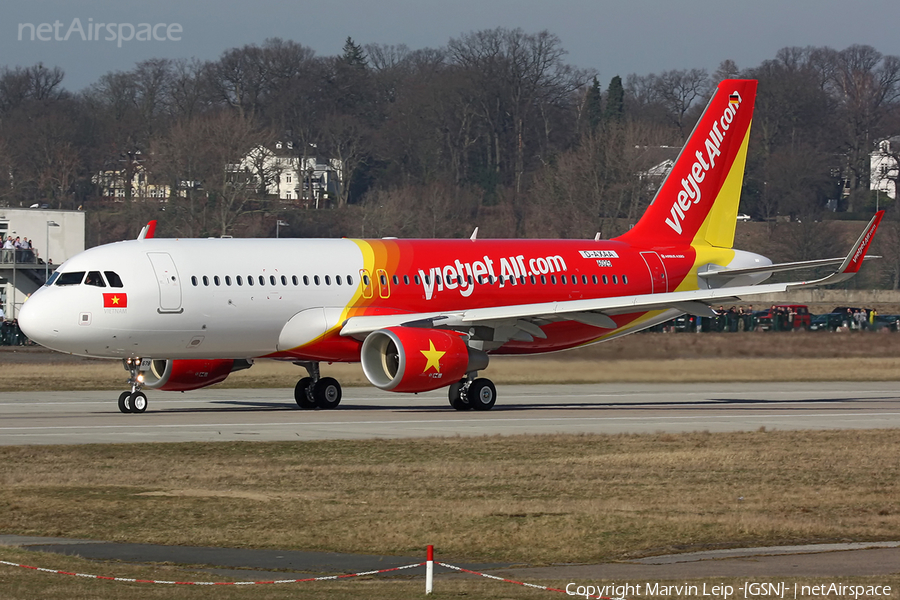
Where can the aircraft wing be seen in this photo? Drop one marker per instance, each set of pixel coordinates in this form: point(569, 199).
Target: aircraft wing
point(597, 311)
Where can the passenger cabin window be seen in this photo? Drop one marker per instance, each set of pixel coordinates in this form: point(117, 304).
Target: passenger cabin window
point(73, 278)
point(113, 278)
point(239, 280)
point(94, 278)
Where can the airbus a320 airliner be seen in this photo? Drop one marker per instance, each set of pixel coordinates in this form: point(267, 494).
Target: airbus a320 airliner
point(417, 314)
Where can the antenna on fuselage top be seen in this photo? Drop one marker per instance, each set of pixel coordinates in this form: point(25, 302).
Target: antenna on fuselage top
point(474, 235)
point(597, 237)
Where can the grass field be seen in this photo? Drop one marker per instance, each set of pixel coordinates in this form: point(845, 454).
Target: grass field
point(645, 357)
point(529, 499)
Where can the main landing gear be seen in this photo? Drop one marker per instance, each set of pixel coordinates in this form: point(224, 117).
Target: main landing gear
point(314, 391)
point(134, 401)
point(475, 394)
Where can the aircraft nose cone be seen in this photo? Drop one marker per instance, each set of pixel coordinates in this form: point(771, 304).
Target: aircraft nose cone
point(34, 322)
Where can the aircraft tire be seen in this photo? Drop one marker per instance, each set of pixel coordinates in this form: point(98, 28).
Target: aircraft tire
point(138, 402)
point(327, 393)
point(302, 394)
point(456, 399)
point(482, 394)
point(125, 402)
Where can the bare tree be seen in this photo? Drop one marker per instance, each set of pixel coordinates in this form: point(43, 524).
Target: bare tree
point(200, 159)
point(514, 74)
point(866, 85)
point(678, 91)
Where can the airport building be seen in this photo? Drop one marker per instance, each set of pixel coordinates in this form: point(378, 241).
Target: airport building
point(54, 235)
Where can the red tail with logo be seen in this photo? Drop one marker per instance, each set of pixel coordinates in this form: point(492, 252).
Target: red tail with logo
point(698, 202)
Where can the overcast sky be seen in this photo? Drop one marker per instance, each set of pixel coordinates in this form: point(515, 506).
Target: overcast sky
point(613, 37)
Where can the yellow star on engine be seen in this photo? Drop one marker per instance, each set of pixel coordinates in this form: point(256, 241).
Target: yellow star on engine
point(433, 356)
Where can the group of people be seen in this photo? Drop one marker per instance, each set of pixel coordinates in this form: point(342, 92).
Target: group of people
point(860, 318)
point(11, 334)
point(19, 250)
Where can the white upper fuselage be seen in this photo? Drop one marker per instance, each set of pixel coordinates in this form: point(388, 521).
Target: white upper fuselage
point(166, 314)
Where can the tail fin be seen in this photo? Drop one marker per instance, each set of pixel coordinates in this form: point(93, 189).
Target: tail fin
point(698, 201)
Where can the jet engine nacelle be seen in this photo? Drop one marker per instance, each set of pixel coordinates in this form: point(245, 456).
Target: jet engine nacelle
point(411, 359)
point(185, 375)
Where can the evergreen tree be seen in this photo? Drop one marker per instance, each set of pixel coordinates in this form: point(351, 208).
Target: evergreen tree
point(353, 55)
point(593, 105)
point(615, 100)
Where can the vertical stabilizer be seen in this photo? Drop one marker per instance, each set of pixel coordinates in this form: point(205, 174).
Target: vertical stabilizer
point(698, 201)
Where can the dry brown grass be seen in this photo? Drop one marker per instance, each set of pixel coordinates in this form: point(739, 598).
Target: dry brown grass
point(647, 357)
point(533, 499)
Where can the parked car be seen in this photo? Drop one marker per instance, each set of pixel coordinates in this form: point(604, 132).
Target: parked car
point(828, 322)
point(783, 321)
point(888, 322)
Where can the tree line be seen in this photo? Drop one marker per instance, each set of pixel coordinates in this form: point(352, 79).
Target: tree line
point(495, 128)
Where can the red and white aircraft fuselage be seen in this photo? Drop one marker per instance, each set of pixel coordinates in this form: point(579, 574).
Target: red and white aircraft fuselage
point(418, 314)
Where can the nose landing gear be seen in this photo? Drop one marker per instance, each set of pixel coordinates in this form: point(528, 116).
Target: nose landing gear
point(134, 401)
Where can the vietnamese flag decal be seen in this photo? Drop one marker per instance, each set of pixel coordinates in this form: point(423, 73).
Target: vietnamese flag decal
point(115, 300)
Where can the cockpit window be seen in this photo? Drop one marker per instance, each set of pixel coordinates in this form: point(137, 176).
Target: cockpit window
point(73, 278)
point(95, 279)
point(113, 278)
point(52, 279)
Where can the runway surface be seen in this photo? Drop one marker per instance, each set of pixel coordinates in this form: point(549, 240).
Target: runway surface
point(271, 414)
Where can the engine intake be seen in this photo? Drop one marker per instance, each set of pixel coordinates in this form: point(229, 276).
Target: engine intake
point(410, 359)
point(190, 374)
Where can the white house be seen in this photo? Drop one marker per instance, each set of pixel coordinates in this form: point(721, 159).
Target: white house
point(293, 175)
point(883, 169)
point(113, 184)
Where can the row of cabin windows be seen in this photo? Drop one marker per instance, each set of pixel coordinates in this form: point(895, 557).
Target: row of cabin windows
point(482, 279)
point(93, 278)
point(338, 280)
point(273, 280)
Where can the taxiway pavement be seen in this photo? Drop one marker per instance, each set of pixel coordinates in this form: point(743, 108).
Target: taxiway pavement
point(270, 414)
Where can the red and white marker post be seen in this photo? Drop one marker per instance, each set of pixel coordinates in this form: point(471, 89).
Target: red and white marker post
point(429, 570)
